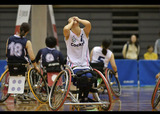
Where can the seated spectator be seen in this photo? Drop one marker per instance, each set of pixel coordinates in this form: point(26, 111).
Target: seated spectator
point(150, 55)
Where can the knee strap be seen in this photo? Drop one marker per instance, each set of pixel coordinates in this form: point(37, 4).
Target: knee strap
point(82, 81)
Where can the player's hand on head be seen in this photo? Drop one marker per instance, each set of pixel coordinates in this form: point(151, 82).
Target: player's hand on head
point(70, 20)
point(76, 18)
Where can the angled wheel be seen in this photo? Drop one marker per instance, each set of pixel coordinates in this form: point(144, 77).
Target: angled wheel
point(38, 85)
point(113, 82)
point(4, 82)
point(156, 94)
point(60, 89)
point(104, 92)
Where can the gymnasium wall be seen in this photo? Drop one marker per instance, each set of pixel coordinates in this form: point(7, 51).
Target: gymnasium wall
point(115, 24)
point(131, 72)
point(107, 22)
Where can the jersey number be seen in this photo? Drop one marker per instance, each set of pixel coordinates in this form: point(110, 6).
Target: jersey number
point(15, 49)
point(101, 59)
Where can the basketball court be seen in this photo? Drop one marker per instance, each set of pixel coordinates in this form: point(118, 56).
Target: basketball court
point(131, 99)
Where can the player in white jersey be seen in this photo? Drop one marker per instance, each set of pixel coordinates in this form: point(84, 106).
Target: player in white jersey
point(103, 54)
point(76, 40)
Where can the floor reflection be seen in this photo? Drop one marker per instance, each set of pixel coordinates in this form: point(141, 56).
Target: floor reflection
point(131, 99)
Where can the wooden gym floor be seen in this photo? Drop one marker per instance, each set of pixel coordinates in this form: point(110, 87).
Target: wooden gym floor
point(131, 99)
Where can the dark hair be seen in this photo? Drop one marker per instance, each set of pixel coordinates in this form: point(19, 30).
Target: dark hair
point(25, 27)
point(51, 41)
point(149, 46)
point(105, 44)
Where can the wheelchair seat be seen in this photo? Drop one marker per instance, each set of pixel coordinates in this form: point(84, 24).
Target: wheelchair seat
point(51, 69)
point(99, 66)
point(85, 83)
point(16, 69)
point(80, 79)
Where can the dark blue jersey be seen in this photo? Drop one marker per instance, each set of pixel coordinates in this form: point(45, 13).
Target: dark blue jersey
point(48, 55)
point(16, 49)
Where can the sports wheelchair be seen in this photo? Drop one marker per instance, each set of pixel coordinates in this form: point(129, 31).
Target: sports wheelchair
point(110, 76)
point(50, 71)
point(66, 90)
point(156, 94)
point(23, 82)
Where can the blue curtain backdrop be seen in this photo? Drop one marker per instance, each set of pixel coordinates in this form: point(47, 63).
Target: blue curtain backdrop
point(127, 72)
point(147, 71)
point(3, 64)
point(130, 71)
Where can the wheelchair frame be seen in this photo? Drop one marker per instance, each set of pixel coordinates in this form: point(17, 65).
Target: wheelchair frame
point(110, 76)
point(113, 82)
point(28, 85)
point(68, 73)
point(156, 94)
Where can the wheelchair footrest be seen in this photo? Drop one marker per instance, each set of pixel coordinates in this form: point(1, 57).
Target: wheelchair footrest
point(77, 91)
point(94, 90)
point(86, 103)
point(74, 91)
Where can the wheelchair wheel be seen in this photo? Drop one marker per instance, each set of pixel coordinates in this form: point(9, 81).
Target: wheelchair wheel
point(156, 95)
point(38, 85)
point(4, 82)
point(60, 89)
point(104, 92)
point(113, 82)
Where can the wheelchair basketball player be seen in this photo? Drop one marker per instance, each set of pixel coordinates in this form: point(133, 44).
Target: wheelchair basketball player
point(18, 47)
point(76, 40)
point(101, 54)
point(52, 60)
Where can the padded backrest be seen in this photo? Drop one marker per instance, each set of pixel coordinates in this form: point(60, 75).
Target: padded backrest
point(52, 67)
point(16, 69)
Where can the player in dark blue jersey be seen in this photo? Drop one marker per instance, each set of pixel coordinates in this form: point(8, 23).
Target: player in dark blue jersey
point(49, 54)
point(19, 48)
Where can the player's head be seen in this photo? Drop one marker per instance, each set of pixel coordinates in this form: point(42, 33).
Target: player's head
point(51, 42)
point(105, 44)
point(24, 28)
point(76, 23)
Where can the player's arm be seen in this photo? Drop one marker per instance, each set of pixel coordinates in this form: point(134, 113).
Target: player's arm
point(66, 29)
point(87, 25)
point(61, 58)
point(38, 56)
point(91, 54)
point(31, 54)
point(124, 51)
point(157, 76)
point(113, 64)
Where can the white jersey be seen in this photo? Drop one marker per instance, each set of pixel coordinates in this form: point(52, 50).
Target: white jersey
point(77, 50)
point(98, 56)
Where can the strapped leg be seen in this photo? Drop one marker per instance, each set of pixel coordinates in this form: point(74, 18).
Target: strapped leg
point(84, 82)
